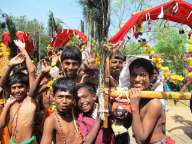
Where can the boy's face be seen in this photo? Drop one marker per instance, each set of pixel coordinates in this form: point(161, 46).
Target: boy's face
point(64, 101)
point(19, 91)
point(86, 100)
point(70, 67)
point(139, 78)
point(116, 67)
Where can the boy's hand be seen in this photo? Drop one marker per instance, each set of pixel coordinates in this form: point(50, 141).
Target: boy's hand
point(134, 98)
point(45, 67)
point(10, 102)
point(18, 59)
point(20, 45)
point(98, 120)
point(54, 59)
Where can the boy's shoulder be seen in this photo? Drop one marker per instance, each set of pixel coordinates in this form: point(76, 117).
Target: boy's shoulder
point(52, 117)
point(154, 105)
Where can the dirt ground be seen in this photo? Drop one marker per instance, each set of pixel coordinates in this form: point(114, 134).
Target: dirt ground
point(178, 123)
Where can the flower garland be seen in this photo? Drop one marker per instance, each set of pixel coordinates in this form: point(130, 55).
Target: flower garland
point(157, 61)
point(189, 58)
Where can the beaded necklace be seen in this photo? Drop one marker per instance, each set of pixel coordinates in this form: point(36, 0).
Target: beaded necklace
point(15, 117)
point(60, 127)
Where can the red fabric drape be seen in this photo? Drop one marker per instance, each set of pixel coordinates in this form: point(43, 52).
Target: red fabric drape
point(24, 37)
point(61, 38)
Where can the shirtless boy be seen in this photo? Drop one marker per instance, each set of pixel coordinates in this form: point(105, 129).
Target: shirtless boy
point(19, 111)
point(146, 113)
point(61, 124)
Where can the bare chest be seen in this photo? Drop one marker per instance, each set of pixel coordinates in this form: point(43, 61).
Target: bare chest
point(67, 133)
point(22, 113)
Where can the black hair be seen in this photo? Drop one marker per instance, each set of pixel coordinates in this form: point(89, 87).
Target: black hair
point(119, 55)
point(71, 52)
point(18, 77)
point(89, 86)
point(142, 62)
point(64, 84)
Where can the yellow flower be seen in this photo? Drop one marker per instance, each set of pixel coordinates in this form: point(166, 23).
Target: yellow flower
point(49, 84)
point(189, 61)
point(190, 40)
point(94, 42)
point(190, 48)
point(158, 65)
point(97, 61)
point(165, 69)
point(156, 60)
point(189, 75)
point(165, 72)
point(176, 78)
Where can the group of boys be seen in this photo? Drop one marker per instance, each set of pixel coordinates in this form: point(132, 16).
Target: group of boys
point(74, 117)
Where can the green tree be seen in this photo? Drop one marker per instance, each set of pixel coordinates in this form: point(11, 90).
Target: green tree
point(172, 45)
point(132, 48)
point(38, 32)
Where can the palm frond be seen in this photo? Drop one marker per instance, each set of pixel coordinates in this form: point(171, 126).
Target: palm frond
point(12, 31)
point(52, 27)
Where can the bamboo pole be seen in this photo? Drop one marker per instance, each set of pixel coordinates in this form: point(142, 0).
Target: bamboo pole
point(107, 92)
point(153, 94)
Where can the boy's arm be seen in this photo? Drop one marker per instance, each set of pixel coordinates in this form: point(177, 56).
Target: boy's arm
point(45, 68)
point(89, 139)
point(30, 66)
point(18, 59)
point(49, 126)
point(143, 128)
point(4, 117)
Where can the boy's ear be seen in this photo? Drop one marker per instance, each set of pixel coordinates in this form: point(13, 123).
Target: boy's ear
point(53, 98)
point(74, 102)
point(94, 97)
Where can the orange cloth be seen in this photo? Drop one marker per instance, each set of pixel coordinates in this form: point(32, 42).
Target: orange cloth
point(5, 135)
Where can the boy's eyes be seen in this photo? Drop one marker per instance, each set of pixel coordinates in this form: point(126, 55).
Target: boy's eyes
point(140, 74)
point(67, 97)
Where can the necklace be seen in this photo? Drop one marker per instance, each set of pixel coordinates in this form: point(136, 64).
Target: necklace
point(15, 118)
point(60, 127)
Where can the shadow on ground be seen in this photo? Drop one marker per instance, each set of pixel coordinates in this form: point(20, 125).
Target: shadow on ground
point(186, 125)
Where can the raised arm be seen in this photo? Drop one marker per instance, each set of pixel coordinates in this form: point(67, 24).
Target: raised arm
point(45, 68)
point(142, 128)
point(18, 59)
point(30, 66)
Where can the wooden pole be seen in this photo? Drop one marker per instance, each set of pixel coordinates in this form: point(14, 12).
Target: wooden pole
point(107, 92)
point(154, 94)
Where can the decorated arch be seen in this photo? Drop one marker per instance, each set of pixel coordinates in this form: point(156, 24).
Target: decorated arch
point(178, 11)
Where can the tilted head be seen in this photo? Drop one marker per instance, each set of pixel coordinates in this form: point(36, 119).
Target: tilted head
point(71, 59)
point(117, 60)
point(86, 97)
point(19, 83)
point(141, 73)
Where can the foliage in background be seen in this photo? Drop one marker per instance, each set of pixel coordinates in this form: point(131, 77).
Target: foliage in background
point(132, 48)
point(172, 45)
point(164, 36)
point(38, 32)
point(97, 17)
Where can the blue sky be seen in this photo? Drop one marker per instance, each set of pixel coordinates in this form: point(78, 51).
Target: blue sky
point(68, 11)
